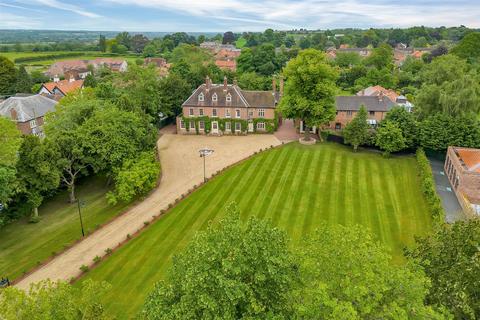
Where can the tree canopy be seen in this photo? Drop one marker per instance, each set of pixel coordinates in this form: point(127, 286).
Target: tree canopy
point(356, 132)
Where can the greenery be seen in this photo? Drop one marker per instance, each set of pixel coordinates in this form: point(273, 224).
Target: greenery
point(310, 89)
point(389, 138)
point(449, 257)
point(347, 274)
point(11, 142)
point(271, 125)
point(324, 183)
point(356, 132)
point(407, 123)
point(137, 176)
point(228, 272)
point(22, 244)
point(47, 300)
point(8, 76)
point(428, 186)
point(48, 57)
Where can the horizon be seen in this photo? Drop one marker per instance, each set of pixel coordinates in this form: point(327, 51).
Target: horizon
point(233, 15)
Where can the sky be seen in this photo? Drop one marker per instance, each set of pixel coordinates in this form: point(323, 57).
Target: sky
point(233, 15)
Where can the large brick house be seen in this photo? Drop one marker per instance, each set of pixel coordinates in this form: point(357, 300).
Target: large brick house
point(28, 112)
point(348, 106)
point(219, 109)
point(60, 88)
point(462, 167)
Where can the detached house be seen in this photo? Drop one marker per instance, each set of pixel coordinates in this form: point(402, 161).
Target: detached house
point(60, 88)
point(28, 112)
point(219, 109)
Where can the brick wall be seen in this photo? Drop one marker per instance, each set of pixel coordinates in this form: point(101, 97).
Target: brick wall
point(344, 117)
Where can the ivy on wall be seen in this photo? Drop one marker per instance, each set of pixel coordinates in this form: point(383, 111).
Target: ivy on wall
point(271, 125)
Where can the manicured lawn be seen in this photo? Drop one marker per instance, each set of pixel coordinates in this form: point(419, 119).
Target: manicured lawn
point(298, 188)
point(23, 244)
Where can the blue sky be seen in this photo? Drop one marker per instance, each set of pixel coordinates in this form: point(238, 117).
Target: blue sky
point(235, 15)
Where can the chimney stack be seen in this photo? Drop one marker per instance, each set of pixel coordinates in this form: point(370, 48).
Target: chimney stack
point(207, 83)
point(281, 85)
point(72, 79)
point(13, 114)
point(56, 78)
point(380, 96)
point(225, 83)
point(274, 84)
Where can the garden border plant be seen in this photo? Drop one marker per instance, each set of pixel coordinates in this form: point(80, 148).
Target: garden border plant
point(428, 186)
point(271, 125)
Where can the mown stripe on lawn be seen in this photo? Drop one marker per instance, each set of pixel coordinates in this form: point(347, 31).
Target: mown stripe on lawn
point(373, 188)
point(271, 183)
point(312, 192)
point(327, 190)
point(302, 188)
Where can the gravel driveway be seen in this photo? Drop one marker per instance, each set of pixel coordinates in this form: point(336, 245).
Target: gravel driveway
point(182, 168)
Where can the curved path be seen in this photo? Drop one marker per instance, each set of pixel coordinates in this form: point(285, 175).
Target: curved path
point(182, 168)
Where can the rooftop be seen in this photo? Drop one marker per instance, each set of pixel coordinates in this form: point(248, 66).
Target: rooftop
point(470, 158)
point(27, 108)
point(371, 103)
point(65, 86)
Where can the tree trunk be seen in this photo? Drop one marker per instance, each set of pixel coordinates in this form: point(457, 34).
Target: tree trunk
point(35, 213)
point(71, 188)
point(355, 147)
point(109, 181)
point(306, 132)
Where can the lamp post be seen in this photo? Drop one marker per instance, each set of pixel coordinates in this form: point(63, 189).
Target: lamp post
point(203, 154)
point(81, 204)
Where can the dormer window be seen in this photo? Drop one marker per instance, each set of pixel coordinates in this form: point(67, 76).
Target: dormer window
point(214, 97)
point(229, 97)
point(201, 97)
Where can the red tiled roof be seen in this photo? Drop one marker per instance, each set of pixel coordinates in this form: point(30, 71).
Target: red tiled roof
point(65, 86)
point(377, 90)
point(470, 157)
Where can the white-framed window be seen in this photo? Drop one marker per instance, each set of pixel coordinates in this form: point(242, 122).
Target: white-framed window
point(200, 112)
point(201, 97)
point(33, 123)
point(192, 124)
point(250, 114)
point(201, 125)
point(349, 113)
point(238, 126)
point(191, 113)
point(214, 97)
point(182, 124)
point(228, 126)
point(237, 113)
point(227, 113)
point(261, 113)
point(229, 97)
point(214, 112)
point(261, 126)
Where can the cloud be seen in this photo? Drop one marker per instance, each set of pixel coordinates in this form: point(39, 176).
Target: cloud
point(9, 20)
point(20, 7)
point(68, 7)
point(323, 13)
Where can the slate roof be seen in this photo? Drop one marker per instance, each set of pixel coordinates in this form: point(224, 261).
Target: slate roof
point(240, 98)
point(27, 108)
point(371, 103)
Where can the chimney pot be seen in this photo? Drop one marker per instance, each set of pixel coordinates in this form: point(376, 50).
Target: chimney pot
point(225, 83)
point(207, 83)
point(56, 79)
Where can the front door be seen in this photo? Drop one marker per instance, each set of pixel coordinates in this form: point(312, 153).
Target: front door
point(250, 127)
point(214, 126)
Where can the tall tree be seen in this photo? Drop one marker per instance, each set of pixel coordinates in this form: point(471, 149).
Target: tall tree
point(24, 82)
point(469, 47)
point(139, 41)
point(47, 300)
point(229, 272)
point(8, 76)
point(36, 172)
point(310, 89)
point(173, 91)
point(389, 138)
point(125, 39)
point(228, 37)
point(10, 141)
point(407, 123)
point(356, 132)
point(450, 258)
point(346, 274)
point(102, 43)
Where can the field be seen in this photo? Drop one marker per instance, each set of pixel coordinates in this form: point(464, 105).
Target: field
point(44, 64)
point(296, 187)
point(23, 244)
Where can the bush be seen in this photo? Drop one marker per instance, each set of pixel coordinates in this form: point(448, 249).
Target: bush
point(84, 268)
point(108, 251)
point(97, 259)
point(428, 186)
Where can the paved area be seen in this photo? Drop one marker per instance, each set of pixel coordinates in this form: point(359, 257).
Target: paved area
point(287, 132)
point(450, 203)
point(182, 168)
